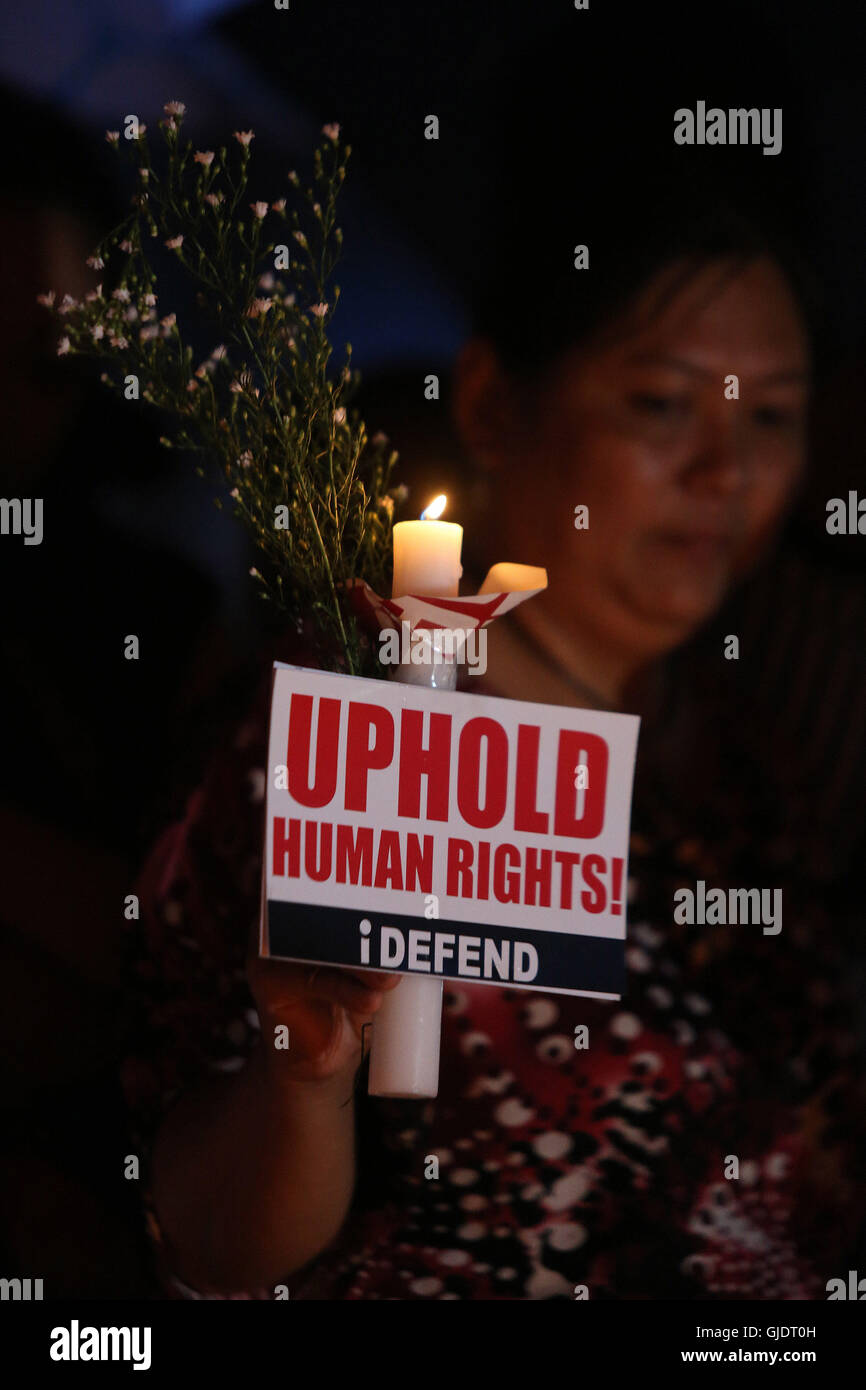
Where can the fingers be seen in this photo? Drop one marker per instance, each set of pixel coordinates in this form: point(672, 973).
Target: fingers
point(370, 979)
point(378, 979)
point(359, 992)
point(282, 984)
point(313, 1033)
point(339, 987)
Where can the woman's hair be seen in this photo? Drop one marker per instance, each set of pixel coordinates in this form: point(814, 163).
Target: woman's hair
point(583, 154)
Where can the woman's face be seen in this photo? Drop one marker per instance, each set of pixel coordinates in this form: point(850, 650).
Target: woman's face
point(683, 481)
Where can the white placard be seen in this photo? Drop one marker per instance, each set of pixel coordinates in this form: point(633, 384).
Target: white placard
point(448, 834)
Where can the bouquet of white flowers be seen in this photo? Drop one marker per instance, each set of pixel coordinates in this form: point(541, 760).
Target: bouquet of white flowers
point(262, 408)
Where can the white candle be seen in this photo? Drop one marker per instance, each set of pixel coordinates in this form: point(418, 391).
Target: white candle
point(427, 555)
point(404, 1049)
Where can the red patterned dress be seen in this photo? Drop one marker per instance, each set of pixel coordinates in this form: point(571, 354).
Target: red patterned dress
point(607, 1171)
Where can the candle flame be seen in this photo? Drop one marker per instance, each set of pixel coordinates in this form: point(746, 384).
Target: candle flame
point(435, 509)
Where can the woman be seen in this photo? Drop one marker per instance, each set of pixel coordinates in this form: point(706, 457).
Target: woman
point(706, 1143)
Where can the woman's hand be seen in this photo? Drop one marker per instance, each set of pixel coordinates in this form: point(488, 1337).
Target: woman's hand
point(253, 1173)
point(324, 1009)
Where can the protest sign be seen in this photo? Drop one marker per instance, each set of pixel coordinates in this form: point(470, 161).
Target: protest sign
point(447, 834)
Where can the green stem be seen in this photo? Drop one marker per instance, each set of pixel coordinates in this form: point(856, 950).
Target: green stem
point(335, 599)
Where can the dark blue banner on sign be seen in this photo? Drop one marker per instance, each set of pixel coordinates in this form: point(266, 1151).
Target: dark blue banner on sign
point(545, 960)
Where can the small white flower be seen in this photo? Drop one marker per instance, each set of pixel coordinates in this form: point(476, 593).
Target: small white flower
point(319, 310)
point(126, 245)
point(254, 572)
point(259, 308)
point(63, 347)
point(340, 416)
point(332, 130)
point(67, 303)
point(168, 323)
point(244, 137)
point(289, 299)
point(144, 175)
point(92, 297)
point(259, 209)
point(214, 199)
point(235, 494)
point(174, 243)
point(149, 300)
point(235, 387)
point(122, 294)
point(97, 332)
point(119, 343)
point(131, 314)
point(174, 108)
point(112, 136)
point(148, 333)
point(218, 353)
point(266, 281)
point(96, 262)
point(300, 238)
point(46, 299)
point(204, 157)
point(245, 459)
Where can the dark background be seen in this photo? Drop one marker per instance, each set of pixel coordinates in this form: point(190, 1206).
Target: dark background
point(95, 749)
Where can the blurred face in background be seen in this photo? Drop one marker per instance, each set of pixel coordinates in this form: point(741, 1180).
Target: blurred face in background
point(684, 482)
